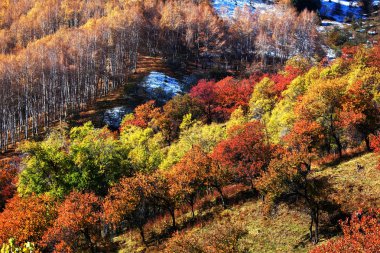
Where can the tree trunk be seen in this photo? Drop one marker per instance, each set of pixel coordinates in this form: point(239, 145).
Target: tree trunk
point(311, 225)
point(339, 145)
point(316, 238)
point(252, 186)
point(368, 143)
point(88, 239)
point(192, 202)
point(172, 214)
point(142, 234)
point(335, 136)
point(219, 189)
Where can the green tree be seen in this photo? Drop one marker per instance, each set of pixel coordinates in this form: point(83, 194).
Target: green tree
point(283, 117)
point(204, 136)
point(98, 159)
point(263, 100)
point(46, 166)
point(143, 148)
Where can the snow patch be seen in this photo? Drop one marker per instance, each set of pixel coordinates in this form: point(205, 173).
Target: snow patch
point(346, 3)
point(338, 10)
point(114, 116)
point(226, 8)
point(161, 87)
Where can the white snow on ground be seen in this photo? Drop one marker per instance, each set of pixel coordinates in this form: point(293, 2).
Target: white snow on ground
point(114, 116)
point(327, 25)
point(332, 23)
point(338, 10)
point(226, 8)
point(157, 86)
point(330, 53)
point(159, 81)
point(342, 2)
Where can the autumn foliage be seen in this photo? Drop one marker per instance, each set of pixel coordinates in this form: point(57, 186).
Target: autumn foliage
point(220, 99)
point(27, 219)
point(246, 152)
point(361, 233)
point(8, 179)
point(143, 115)
point(174, 164)
point(78, 224)
point(190, 176)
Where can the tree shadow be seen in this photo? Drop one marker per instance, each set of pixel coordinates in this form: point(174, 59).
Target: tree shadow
point(208, 210)
point(331, 213)
point(157, 238)
point(345, 158)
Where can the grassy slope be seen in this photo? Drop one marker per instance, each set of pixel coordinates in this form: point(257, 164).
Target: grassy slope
point(352, 188)
point(287, 229)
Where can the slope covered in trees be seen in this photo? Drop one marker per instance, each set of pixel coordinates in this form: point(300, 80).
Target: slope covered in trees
point(287, 149)
point(59, 56)
point(269, 140)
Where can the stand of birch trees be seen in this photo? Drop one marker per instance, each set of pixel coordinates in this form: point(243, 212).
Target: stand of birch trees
point(58, 56)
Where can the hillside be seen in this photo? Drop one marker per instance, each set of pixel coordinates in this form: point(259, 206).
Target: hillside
point(286, 230)
point(354, 189)
point(187, 126)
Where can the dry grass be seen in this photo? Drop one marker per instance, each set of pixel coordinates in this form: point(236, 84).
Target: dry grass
point(354, 189)
point(284, 231)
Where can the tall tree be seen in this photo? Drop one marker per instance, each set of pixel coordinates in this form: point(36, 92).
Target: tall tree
point(289, 176)
point(129, 201)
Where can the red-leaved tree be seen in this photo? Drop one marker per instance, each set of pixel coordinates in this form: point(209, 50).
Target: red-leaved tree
point(222, 98)
point(360, 234)
point(8, 174)
point(246, 152)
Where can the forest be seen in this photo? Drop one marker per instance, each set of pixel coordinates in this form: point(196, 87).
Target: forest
point(281, 139)
point(59, 56)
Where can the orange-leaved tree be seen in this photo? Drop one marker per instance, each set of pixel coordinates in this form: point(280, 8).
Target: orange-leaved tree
point(289, 174)
point(78, 225)
point(128, 201)
point(288, 178)
point(188, 177)
point(143, 115)
point(26, 219)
